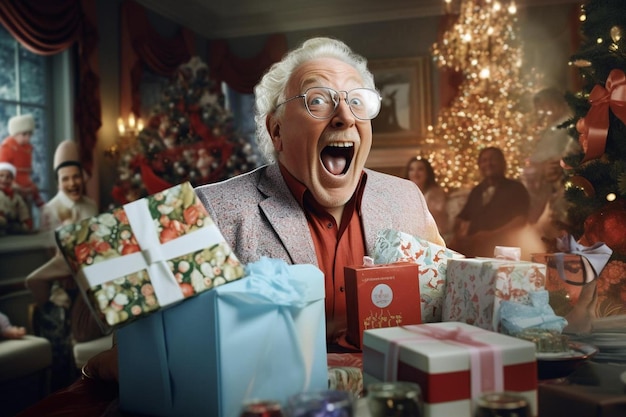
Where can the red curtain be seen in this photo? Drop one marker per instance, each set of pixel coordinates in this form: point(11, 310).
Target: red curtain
point(142, 45)
point(242, 74)
point(48, 27)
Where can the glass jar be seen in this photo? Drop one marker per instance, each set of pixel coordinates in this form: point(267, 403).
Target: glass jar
point(394, 399)
point(326, 403)
point(502, 404)
point(261, 408)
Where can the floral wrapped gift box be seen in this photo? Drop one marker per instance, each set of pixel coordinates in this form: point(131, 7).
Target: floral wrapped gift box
point(147, 254)
point(395, 246)
point(476, 287)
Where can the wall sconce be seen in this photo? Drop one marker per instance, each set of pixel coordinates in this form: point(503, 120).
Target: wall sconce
point(131, 127)
point(128, 131)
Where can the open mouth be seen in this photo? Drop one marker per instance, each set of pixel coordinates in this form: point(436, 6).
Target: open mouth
point(337, 157)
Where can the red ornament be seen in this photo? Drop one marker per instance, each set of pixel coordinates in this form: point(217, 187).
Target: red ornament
point(608, 225)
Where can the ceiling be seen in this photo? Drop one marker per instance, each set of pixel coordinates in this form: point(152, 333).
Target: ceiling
point(223, 19)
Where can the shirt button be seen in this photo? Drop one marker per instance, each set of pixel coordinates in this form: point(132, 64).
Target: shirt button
point(329, 225)
point(340, 289)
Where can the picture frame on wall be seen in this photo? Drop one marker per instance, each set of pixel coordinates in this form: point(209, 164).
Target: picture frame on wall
point(406, 111)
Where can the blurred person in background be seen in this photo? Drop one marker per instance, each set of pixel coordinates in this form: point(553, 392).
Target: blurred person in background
point(496, 210)
point(421, 172)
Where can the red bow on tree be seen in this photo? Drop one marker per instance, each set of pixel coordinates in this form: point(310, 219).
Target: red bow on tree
point(594, 127)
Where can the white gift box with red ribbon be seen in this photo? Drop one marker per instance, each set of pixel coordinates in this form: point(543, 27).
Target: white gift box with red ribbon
point(452, 362)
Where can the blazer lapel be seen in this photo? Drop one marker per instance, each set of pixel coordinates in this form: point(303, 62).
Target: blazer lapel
point(373, 218)
point(286, 217)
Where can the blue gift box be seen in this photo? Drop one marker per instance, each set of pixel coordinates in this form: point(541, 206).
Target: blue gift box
point(263, 336)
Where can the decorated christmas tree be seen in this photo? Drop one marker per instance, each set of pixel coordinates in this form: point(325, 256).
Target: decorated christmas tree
point(492, 107)
point(596, 182)
point(190, 136)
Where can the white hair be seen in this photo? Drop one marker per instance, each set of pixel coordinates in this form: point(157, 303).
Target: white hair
point(271, 89)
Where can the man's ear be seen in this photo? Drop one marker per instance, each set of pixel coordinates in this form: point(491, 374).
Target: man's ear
point(272, 123)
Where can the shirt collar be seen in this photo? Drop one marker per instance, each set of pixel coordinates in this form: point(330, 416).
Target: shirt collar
point(66, 201)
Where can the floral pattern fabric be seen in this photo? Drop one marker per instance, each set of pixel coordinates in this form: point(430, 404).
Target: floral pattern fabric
point(174, 212)
point(394, 246)
point(345, 372)
point(477, 286)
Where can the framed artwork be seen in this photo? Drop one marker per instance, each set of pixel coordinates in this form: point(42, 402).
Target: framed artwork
point(406, 111)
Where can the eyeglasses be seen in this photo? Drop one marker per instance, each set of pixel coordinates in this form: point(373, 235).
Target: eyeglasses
point(322, 102)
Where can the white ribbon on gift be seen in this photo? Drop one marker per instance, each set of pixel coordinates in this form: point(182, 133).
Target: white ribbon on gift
point(511, 253)
point(153, 255)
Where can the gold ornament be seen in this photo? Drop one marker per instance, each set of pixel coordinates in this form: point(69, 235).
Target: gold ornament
point(584, 184)
point(582, 63)
point(616, 33)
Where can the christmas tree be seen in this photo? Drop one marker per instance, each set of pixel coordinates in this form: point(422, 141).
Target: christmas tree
point(596, 174)
point(492, 106)
point(190, 136)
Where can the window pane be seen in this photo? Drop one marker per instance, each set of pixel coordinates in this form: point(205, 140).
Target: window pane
point(8, 88)
point(40, 148)
point(6, 112)
point(32, 77)
point(30, 71)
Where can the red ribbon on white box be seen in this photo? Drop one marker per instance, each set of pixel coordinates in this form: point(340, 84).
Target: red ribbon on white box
point(486, 365)
point(153, 255)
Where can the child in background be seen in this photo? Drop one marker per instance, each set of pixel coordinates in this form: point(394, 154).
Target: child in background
point(14, 213)
point(16, 149)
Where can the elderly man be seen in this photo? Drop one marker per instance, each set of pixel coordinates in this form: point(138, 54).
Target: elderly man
point(314, 203)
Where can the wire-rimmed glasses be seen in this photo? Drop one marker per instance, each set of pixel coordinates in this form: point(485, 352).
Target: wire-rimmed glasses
point(322, 102)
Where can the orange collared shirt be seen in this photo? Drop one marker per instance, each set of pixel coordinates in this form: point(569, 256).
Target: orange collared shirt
point(336, 246)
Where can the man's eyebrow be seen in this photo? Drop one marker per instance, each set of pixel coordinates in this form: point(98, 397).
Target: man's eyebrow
point(310, 82)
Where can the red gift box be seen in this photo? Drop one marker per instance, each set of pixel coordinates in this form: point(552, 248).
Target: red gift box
point(381, 296)
point(452, 362)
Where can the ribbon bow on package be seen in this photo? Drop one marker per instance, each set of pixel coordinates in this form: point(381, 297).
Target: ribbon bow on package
point(268, 281)
point(146, 255)
point(516, 317)
point(594, 258)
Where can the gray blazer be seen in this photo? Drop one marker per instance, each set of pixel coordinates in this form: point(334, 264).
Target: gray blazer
point(258, 215)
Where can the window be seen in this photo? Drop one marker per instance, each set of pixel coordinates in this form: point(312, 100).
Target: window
point(24, 88)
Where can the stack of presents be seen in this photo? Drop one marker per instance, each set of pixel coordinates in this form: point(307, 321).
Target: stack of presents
point(199, 333)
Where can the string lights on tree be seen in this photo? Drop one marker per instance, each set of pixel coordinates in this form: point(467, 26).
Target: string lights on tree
point(493, 105)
